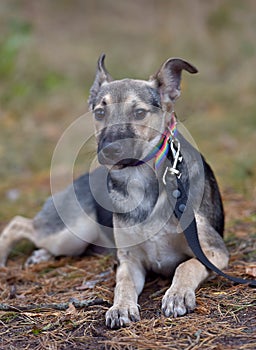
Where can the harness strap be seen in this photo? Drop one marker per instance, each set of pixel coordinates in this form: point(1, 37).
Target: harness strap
point(178, 199)
point(180, 205)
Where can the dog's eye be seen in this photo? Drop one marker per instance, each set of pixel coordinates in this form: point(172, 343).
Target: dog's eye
point(140, 113)
point(99, 113)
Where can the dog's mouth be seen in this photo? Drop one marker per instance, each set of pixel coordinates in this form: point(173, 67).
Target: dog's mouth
point(119, 153)
point(119, 163)
point(128, 162)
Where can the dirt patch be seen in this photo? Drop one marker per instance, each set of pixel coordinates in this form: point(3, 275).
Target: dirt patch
point(33, 319)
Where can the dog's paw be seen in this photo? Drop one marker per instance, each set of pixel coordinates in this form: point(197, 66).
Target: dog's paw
point(178, 301)
point(39, 255)
point(120, 316)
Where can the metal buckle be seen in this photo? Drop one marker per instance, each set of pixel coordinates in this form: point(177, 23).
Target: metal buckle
point(175, 148)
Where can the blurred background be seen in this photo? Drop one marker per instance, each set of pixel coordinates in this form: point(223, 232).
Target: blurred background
point(48, 54)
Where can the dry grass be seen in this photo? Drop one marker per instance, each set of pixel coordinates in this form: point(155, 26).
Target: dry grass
point(224, 317)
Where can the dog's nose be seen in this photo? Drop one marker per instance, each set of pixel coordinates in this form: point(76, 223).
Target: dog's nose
point(112, 150)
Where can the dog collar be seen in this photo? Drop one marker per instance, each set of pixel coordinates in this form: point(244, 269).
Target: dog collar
point(161, 150)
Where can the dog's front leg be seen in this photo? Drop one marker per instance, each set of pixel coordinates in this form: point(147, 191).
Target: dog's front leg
point(130, 279)
point(180, 297)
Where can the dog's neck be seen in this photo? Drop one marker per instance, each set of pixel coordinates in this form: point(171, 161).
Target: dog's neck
point(160, 152)
point(133, 191)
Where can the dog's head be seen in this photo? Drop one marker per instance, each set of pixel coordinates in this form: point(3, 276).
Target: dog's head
point(131, 115)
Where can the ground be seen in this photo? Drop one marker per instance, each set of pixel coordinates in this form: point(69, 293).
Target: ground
point(32, 298)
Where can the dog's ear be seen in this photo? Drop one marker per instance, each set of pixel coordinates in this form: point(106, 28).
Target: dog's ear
point(101, 77)
point(168, 78)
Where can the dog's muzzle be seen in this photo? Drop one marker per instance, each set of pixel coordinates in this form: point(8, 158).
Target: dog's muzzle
point(118, 145)
point(119, 152)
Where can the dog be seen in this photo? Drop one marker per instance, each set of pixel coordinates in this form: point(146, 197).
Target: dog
point(131, 117)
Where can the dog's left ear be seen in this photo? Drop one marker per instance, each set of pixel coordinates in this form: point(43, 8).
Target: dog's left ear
point(168, 78)
point(101, 77)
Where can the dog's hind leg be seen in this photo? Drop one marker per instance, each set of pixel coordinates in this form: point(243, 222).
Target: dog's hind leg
point(61, 242)
point(37, 256)
point(18, 228)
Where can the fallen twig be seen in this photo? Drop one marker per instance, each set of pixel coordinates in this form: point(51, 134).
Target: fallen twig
point(56, 306)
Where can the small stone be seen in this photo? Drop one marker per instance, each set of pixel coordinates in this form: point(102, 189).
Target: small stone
point(13, 194)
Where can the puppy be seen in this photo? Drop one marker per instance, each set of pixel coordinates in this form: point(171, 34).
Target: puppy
point(132, 119)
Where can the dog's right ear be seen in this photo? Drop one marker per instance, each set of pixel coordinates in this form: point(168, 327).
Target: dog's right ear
point(168, 78)
point(102, 76)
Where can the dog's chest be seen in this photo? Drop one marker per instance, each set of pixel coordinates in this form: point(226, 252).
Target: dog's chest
point(156, 241)
point(164, 251)
point(161, 253)
point(144, 222)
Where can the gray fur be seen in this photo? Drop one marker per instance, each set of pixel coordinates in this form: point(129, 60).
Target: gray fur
point(146, 232)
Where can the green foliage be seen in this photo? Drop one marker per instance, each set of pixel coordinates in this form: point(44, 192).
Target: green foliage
point(24, 78)
point(220, 18)
point(10, 46)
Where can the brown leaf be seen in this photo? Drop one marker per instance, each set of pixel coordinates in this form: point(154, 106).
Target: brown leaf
point(251, 270)
point(71, 310)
